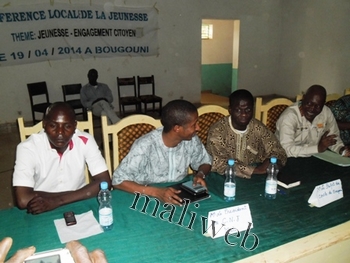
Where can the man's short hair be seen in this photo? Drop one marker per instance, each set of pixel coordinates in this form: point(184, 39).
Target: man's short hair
point(176, 112)
point(62, 106)
point(241, 94)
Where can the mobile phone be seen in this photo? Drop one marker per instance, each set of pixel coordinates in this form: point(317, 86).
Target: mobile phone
point(69, 217)
point(55, 255)
point(197, 189)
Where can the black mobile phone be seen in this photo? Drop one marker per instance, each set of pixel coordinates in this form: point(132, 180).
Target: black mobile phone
point(69, 217)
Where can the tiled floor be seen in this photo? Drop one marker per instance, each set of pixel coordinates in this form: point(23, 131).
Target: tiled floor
point(9, 141)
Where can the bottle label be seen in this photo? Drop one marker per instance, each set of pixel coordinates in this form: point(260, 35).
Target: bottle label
point(106, 216)
point(230, 190)
point(271, 187)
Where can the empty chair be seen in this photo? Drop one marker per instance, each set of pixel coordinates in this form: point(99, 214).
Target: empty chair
point(127, 95)
point(39, 91)
point(269, 113)
point(147, 94)
point(71, 95)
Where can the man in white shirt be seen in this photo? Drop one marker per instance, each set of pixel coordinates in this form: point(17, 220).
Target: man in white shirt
point(164, 155)
point(308, 127)
point(49, 169)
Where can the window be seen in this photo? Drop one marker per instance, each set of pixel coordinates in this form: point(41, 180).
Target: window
point(207, 31)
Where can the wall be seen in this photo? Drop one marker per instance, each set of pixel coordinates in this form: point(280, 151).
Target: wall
point(217, 58)
point(315, 45)
point(273, 33)
point(177, 69)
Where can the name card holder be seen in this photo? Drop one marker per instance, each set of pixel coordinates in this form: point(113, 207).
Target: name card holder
point(326, 193)
point(232, 219)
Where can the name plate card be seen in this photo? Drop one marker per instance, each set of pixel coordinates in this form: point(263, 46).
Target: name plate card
point(232, 219)
point(324, 194)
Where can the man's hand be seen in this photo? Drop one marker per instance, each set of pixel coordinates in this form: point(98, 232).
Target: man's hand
point(40, 204)
point(199, 180)
point(326, 141)
point(168, 195)
point(345, 151)
point(261, 169)
point(19, 256)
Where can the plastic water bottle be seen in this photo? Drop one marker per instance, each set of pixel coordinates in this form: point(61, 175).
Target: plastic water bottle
point(105, 210)
point(230, 182)
point(271, 180)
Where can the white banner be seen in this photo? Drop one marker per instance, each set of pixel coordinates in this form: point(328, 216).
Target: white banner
point(33, 33)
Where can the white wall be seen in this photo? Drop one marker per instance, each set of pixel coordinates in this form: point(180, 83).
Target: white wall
point(176, 69)
point(268, 60)
point(315, 45)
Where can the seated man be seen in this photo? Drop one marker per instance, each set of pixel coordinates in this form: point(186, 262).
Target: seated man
point(341, 111)
point(164, 155)
point(50, 165)
point(98, 98)
point(308, 127)
point(241, 137)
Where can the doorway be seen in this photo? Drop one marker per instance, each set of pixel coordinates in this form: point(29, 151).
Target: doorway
point(220, 57)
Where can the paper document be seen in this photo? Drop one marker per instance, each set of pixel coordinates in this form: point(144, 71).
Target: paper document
point(333, 158)
point(86, 226)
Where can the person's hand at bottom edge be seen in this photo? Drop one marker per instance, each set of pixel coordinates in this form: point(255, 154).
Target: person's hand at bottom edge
point(81, 255)
point(19, 256)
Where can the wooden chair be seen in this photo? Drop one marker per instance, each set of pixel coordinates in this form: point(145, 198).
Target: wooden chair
point(71, 95)
point(38, 92)
point(269, 113)
point(26, 131)
point(124, 133)
point(148, 97)
point(131, 98)
point(208, 115)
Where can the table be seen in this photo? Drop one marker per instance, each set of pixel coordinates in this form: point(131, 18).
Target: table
point(143, 236)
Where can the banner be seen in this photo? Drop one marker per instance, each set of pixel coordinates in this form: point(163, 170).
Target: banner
point(33, 33)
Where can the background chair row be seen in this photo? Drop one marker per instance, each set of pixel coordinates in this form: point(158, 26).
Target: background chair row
point(129, 95)
point(38, 91)
point(143, 94)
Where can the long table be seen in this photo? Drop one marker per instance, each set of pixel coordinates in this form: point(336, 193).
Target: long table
point(151, 236)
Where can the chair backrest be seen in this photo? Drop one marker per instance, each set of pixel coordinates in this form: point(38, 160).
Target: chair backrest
point(126, 82)
point(71, 89)
point(25, 132)
point(37, 89)
point(207, 115)
point(145, 81)
point(269, 113)
point(123, 134)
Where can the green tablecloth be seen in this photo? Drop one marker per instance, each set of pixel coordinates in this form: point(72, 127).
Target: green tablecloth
point(138, 236)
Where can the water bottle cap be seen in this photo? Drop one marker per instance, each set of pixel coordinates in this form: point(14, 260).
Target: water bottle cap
point(103, 185)
point(231, 162)
point(273, 160)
